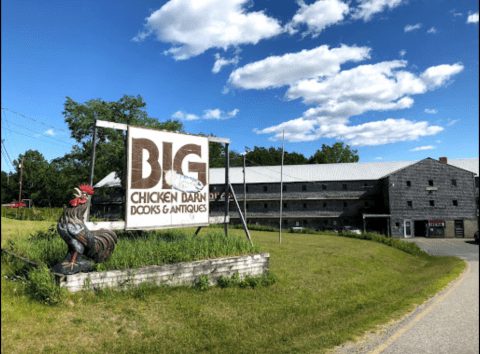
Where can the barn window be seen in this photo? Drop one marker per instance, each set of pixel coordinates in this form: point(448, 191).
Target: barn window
point(344, 204)
point(265, 205)
point(324, 205)
point(344, 187)
point(454, 182)
point(304, 222)
point(324, 186)
point(432, 203)
point(247, 206)
point(430, 182)
point(284, 188)
point(284, 205)
point(264, 188)
point(304, 205)
point(304, 187)
point(409, 183)
point(409, 203)
point(246, 189)
point(455, 202)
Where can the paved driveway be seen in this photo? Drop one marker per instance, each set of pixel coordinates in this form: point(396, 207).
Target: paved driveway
point(448, 323)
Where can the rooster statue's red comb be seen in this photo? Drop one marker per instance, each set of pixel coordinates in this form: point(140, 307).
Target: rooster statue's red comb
point(86, 188)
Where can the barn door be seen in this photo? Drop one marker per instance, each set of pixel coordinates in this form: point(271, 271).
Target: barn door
point(459, 228)
point(408, 229)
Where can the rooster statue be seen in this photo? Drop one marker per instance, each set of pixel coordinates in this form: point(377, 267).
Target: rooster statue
point(95, 245)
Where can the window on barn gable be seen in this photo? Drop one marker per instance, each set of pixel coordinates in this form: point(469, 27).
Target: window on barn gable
point(409, 203)
point(432, 203)
point(409, 183)
point(430, 182)
point(455, 202)
point(454, 182)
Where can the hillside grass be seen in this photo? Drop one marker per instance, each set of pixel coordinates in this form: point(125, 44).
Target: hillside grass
point(329, 289)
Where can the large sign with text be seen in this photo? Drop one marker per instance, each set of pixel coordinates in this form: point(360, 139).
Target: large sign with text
point(167, 180)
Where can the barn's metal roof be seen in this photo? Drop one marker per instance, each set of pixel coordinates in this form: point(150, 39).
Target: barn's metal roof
point(310, 173)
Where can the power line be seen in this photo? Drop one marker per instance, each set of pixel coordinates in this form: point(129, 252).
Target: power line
point(21, 126)
point(24, 116)
point(6, 152)
point(45, 141)
point(3, 153)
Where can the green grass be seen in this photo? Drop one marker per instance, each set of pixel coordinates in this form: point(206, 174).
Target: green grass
point(137, 249)
point(328, 290)
point(32, 214)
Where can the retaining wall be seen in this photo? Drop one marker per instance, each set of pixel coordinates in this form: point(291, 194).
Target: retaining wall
point(186, 273)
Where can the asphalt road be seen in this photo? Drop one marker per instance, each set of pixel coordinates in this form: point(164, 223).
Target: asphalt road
point(448, 323)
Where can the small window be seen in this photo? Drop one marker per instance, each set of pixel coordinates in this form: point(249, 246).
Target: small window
point(455, 202)
point(409, 204)
point(304, 187)
point(324, 205)
point(264, 188)
point(284, 188)
point(430, 182)
point(454, 182)
point(344, 204)
point(365, 185)
point(304, 222)
point(409, 183)
point(304, 205)
point(344, 187)
point(324, 186)
point(397, 224)
point(247, 206)
point(432, 203)
point(247, 189)
point(265, 206)
point(284, 205)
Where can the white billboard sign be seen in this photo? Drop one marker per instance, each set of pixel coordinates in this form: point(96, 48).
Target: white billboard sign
point(167, 180)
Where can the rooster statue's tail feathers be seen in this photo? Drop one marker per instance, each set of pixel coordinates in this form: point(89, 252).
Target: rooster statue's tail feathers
point(104, 244)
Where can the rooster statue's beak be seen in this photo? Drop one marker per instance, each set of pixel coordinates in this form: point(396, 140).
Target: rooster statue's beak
point(79, 193)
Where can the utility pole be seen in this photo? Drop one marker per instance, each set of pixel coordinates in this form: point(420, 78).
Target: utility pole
point(20, 194)
point(281, 190)
point(244, 191)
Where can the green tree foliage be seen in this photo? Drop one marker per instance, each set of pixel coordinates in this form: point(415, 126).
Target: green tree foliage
point(337, 153)
point(273, 157)
point(110, 149)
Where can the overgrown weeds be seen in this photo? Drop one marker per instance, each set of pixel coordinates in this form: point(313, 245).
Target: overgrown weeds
point(32, 214)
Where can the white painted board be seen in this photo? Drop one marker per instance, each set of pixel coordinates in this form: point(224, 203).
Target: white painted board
point(167, 179)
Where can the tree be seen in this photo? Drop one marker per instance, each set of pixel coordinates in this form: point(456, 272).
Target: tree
point(273, 157)
point(110, 148)
point(336, 153)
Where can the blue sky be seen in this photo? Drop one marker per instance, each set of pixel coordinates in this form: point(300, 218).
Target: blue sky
point(397, 80)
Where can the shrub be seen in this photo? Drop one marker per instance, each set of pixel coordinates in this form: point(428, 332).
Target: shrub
point(43, 288)
point(202, 284)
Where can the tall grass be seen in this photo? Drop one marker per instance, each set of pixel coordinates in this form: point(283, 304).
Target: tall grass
point(32, 214)
point(138, 249)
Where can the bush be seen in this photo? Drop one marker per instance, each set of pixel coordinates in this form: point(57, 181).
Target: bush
point(43, 288)
point(202, 284)
point(265, 279)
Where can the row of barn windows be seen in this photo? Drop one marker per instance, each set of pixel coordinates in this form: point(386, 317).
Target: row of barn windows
point(304, 187)
point(431, 203)
point(430, 183)
point(285, 205)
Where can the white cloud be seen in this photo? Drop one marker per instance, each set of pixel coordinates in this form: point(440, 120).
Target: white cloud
point(429, 147)
point(192, 26)
point(367, 134)
point(402, 53)
point(221, 62)
point(452, 122)
point(438, 141)
point(431, 111)
point(368, 8)
point(473, 18)
point(317, 16)
point(409, 28)
point(218, 114)
point(277, 71)
point(432, 30)
point(376, 87)
point(455, 14)
point(184, 116)
point(49, 132)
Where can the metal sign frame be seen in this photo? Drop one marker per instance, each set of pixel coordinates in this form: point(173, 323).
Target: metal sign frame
point(120, 225)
